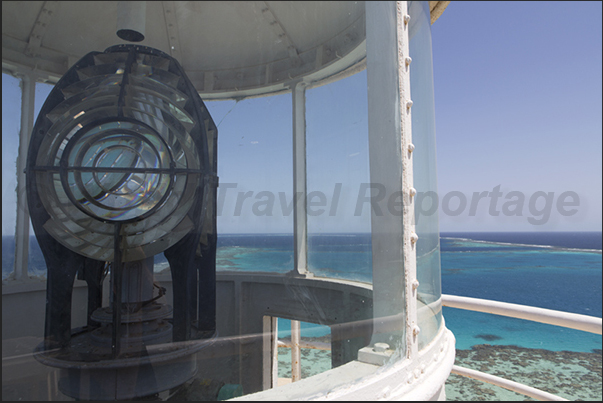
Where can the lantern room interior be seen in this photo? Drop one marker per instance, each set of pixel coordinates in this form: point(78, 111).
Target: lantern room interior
point(163, 145)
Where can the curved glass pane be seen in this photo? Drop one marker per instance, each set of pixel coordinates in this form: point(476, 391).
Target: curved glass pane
point(424, 169)
point(310, 257)
point(339, 239)
point(255, 198)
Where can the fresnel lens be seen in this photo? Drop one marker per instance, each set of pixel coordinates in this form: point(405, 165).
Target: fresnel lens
point(121, 167)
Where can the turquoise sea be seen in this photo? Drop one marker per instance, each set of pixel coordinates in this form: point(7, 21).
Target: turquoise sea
point(561, 271)
point(561, 277)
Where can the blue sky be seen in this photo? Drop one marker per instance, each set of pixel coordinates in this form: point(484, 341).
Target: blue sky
point(518, 105)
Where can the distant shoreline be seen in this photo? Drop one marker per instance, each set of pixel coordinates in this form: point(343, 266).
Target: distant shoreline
point(590, 241)
point(551, 247)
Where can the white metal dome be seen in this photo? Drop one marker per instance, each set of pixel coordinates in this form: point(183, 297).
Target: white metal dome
point(228, 49)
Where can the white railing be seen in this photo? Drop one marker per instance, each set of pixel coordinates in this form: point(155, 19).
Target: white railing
point(505, 383)
point(548, 316)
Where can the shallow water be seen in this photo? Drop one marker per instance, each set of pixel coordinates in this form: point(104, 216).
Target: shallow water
point(571, 375)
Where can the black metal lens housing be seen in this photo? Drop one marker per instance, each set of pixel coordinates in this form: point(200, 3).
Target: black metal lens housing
point(122, 166)
point(121, 138)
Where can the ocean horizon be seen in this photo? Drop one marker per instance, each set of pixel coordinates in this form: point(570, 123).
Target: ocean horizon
point(554, 270)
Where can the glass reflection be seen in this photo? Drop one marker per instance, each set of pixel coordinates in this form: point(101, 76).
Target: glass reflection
point(130, 186)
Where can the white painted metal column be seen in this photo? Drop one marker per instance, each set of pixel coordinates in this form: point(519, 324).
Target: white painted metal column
point(28, 88)
point(270, 352)
point(131, 20)
point(300, 222)
point(295, 351)
point(274, 348)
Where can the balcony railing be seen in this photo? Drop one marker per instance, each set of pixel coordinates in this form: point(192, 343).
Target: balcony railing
point(548, 316)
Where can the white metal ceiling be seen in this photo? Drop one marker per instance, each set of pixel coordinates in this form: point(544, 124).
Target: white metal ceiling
point(228, 49)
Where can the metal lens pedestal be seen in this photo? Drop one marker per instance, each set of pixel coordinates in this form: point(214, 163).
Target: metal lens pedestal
point(134, 359)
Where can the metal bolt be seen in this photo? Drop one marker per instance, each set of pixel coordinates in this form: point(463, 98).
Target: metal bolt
point(406, 18)
point(411, 148)
point(414, 237)
point(415, 284)
point(412, 192)
point(380, 347)
point(408, 104)
point(408, 61)
point(416, 330)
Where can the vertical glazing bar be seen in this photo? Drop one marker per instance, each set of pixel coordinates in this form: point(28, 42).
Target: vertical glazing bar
point(408, 209)
point(28, 88)
point(116, 280)
point(274, 352)
point(266, 352)
point(385, 160)
point(295, 351)
point(270, 353)
point(300, 222)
